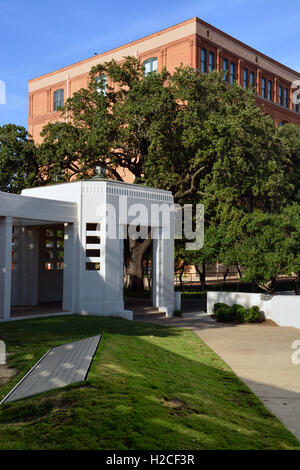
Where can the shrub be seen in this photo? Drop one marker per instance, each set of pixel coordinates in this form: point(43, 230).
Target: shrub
point(249, 315)
point(177, 313)
point(219, 306)
point(237, 313)
point(224, 313)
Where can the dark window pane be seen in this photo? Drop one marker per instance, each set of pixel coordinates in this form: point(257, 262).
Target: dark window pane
point(93, 253)
point(211, 61)
point(93, 240)
point(203, 60)
point(232, 73)
point(245, 78)
point(280, 96)
point(264, 88)
point(286, 98)
point(93, 227)
point(270, 90)
point(92, 266)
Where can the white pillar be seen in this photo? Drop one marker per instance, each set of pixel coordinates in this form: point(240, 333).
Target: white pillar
point(155, 270)
point(121, 261)
point(113, 276)
point(5, 266)
point(71, 268)
point(166, 276)
point(163, 272)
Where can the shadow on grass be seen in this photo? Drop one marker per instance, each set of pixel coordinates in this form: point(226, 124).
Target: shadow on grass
point(150, 387)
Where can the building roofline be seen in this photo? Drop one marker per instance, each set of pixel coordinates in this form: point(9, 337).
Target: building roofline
point(251, 49)
point(131, 43)
point(178, 25)
point(98, 180)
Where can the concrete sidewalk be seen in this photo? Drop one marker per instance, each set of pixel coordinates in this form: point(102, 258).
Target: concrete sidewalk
point(260, 355)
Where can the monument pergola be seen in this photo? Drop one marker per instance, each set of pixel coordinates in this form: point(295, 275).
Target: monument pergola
point(55, 246)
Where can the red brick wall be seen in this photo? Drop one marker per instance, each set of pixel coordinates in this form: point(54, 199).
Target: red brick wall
point(177, 45)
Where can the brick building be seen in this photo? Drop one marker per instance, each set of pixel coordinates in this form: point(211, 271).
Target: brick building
point(193, 43)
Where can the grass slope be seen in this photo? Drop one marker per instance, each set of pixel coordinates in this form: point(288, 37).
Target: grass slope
point(150, 387)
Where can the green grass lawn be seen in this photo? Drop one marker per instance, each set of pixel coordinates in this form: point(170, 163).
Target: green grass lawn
point(150, 387)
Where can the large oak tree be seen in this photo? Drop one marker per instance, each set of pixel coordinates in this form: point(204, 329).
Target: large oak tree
point(190, 133)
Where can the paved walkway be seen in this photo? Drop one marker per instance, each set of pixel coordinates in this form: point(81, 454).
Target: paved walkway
point(259, 354)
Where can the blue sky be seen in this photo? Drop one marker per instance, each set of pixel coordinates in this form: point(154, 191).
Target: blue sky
point(39, 36)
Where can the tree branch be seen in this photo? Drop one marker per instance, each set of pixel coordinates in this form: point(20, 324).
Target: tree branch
point(182, 194)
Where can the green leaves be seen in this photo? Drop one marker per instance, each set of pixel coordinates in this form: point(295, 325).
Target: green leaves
point(18, 163)
point(189, 133)
point(202, 139)
point(265, 244)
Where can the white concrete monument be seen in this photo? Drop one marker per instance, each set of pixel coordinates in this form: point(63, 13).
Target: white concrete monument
point(64, 242)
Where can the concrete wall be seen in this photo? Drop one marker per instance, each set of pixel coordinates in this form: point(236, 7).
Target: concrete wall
point(25, 272)
point(282, 309)
point(93, 273)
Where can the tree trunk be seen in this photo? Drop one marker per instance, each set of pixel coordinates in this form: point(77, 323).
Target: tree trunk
point(239, 271)
point(148, 274)
point(202, 274)
point(136, 269)
point(181, 271)
point(226, 274)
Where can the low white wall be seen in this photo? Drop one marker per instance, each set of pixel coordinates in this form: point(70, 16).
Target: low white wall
point(282, 309)
point(286, 310)
point(177, 300)
point(241, 298)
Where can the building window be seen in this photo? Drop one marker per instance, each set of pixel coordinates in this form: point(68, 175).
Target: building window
point(283, 123)
point(150, 65)
point(280, 95)
point(58, 99)
point(296, 108)
point(252, 80)
point(101, 84)
point(211, 65)
point(270, 90)
point(15, 248)
point(264, 88)
point(286, 98)
point(203, 60)
point(225, 69)
point(53, 249)
point(246, 83)
point(92, 247)
point(232, 73)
